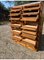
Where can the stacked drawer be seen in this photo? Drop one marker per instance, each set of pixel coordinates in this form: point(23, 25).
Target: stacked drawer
point(25, 23)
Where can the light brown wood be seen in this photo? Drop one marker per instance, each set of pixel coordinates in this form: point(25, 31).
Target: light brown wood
point(15, 10)
point(16, 7)
point(17, 38)
point(29, 4)
point(26, 45)
point(25, 24)
point(30, 13)
point(31, 8)
point(16, 32)
point(29, 32)
point(14, 18)
point(14, 14)
point(28, 36)
point(30, 19)
point(29, 41)
point(29, 27)
point(15, 25)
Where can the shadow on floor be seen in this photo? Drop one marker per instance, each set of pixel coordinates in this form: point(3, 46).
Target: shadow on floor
point(41, 45)
point(3, 22)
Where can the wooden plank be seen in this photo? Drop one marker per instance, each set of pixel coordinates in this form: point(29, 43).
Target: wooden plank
point(29, 4)
point(14, 18)
point(16, 7)
point(33, 19)
point(30, 13)
point(15, 10)
point(14, 14)
point(29, 41)
point(27, 45)
point(32, 4)
point(17, 38)
point(25, 35)
point(16, 32)
point(29, 32)
point(16, 25)
point(29, 27)
point(31, 8)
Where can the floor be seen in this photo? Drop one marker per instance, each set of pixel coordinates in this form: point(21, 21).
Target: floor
point(10, 50)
